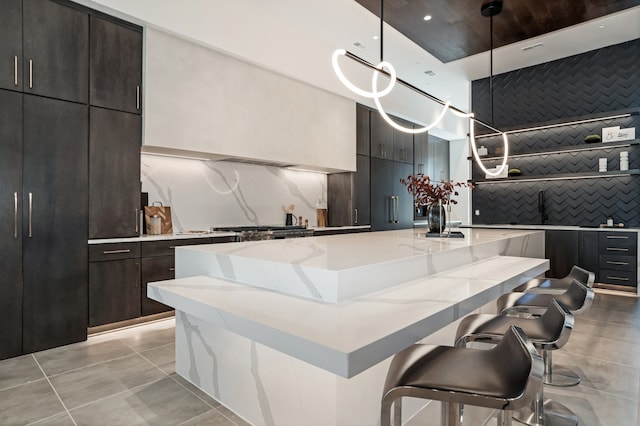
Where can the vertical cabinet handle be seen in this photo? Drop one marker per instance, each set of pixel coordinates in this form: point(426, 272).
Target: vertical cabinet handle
point(15, 215)
point(355, 211)
point(396, 215)
point(393, 213)
point(30, 214)
point(15, 70)
point(137, 220)
point(138, 97)
point(30, 74)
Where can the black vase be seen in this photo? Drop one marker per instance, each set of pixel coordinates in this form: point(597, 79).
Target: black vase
point(436, 217)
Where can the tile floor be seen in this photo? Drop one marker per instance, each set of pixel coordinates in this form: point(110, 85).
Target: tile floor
point(127, 378)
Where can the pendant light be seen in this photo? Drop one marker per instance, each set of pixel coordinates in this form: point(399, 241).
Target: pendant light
point(388, 70)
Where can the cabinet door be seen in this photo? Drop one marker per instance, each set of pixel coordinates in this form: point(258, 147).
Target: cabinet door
point(11, 44)
point(421, 150)
point(361, 191)
point(10, 224)
point(588, 251)
point(561, 248)
point(155, 269)
point(340, 198)
point(403, 143)
point(381, 137)
point(114, 291)
point(56, 51)
point(54, 223)
point(438, 159)
point(114, 173)
point(405, 199)
point(115, 74)
point(363, 131)
point(381, 194)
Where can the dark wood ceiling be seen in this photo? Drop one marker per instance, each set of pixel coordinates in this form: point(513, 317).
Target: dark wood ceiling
point(458, 29)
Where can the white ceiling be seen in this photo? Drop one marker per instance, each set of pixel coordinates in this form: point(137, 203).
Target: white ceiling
point(296, 38)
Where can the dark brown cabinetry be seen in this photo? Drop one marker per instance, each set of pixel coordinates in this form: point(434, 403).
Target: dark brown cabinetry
point(348, 198)
point(11, 224)
point(391, 204)
point(11, 45)
point(618, 258)
point(403, 143)
point(363, 130)
point(115, 66)
point(55, 51)
point(381, 137)
point(561, 248)
point(114, 283)
point(114, 173)
point(54, 223)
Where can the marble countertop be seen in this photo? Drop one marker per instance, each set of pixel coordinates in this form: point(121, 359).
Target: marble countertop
point(177, 236)
point(552, 227)
point(349, 337)
point(339, 267)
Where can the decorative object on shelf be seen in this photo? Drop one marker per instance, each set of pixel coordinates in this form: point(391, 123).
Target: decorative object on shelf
point(602, 165)
point(515, 172)
point(614, 134)
point(435, 196)
point(489, 9)
point(161, 213)
point(592, 139)
point(624, 160)
point(483, 151)
point(497, 174)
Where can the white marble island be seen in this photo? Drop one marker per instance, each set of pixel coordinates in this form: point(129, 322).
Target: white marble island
point(316, 351)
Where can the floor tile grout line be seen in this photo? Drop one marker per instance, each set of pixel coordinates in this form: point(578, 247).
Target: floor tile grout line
point(90, 365)
point(22, 384)
point(54, 390)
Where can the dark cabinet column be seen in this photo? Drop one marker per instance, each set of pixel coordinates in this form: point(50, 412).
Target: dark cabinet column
point(381, 137)
point(362, 191)
point(56, 51)
point(381, 194)
point(10, 224)
point(114, 293)
point(114, 173)
point(363, 130)
point(11, 45)
point(561, 248)
point(54, 223)
point(115, 66)
point(405, 199)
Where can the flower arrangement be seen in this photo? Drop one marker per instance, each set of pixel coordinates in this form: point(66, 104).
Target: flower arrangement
point(426, 192)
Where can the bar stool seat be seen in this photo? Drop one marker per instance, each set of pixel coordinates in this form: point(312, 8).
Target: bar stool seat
point(506, 377)
point(557, 285)
point(547, 332)
point(577, 299)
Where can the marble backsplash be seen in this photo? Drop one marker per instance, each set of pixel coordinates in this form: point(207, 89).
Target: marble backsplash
point(204, 194)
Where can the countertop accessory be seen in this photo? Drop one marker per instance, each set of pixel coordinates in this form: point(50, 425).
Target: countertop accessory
point(593, 139)
point(164, 214)
point(624, 160)
point(515, 172)
point(602, 165)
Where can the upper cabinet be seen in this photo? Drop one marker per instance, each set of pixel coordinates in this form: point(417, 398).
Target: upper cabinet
point(55, 51)
point(381, 138)
point(403, 143)
point(363, 130)
point(115, 66)
point(11, 45)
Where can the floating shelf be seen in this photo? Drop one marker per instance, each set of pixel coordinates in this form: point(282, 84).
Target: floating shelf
point(568, 176)
point(575, 148)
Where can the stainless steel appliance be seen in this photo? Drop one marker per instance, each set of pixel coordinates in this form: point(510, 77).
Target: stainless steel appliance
point(255, 233)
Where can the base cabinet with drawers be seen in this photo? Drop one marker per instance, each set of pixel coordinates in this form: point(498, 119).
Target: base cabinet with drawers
point(618, 258)
point(119, 274)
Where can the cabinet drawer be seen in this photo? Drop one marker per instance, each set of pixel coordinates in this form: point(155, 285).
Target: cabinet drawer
point(627, 278)
point(618, 263)
point(166, 247)
point(616, 242)
point(113, 251)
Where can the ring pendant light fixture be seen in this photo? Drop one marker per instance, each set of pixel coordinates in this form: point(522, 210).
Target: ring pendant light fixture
point(388, 70)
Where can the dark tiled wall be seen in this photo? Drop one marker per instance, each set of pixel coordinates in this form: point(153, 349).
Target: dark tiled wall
point(601, 81)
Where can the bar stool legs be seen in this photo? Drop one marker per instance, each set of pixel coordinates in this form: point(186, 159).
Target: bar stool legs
point(559, 376)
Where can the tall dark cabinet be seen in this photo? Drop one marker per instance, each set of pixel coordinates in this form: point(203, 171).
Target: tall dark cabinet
point(11, 224)
point(391, 203)
point(114, 179)
point(11, 45)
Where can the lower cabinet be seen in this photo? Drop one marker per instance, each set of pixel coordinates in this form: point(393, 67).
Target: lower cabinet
point(119, 274)
point(618, 258)
point(561, 248)
point(391, 203)
point(114, 283)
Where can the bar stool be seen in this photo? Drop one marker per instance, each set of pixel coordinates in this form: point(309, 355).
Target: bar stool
point(506, 377)
point(558, 285)
point(577, 299)
point(547, 332)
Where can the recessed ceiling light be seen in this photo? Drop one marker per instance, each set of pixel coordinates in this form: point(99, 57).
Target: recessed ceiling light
point(601, 26)
point(427, 18)
point(375, 37)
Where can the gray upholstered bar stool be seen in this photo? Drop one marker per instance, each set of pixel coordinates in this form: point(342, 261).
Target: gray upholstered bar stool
point(577, 299)
point(547, 332)
point(506, 377)
point(558, 285)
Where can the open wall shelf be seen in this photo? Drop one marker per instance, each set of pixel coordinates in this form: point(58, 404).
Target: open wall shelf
point(568, 176)
point(575, 148)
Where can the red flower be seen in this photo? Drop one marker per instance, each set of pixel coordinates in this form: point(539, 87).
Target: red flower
point(426, 192)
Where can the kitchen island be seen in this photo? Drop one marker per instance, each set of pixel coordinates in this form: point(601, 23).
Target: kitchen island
point(301, 331)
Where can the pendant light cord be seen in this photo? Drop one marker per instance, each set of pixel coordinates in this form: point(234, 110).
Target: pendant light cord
point(491, 67)
point(381, 32)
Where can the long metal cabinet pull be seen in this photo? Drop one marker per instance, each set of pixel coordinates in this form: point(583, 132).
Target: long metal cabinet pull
point(356, 216)
point(15, 215)
point(30, 214)
point(30, 74)
point(15, 70)
point(616, 237)
point(394, 209)
point(137, 220)
point(137, 97)
point(116, 251)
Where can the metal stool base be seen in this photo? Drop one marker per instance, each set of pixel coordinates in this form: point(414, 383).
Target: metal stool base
point(555, 414)
point(561, 376)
